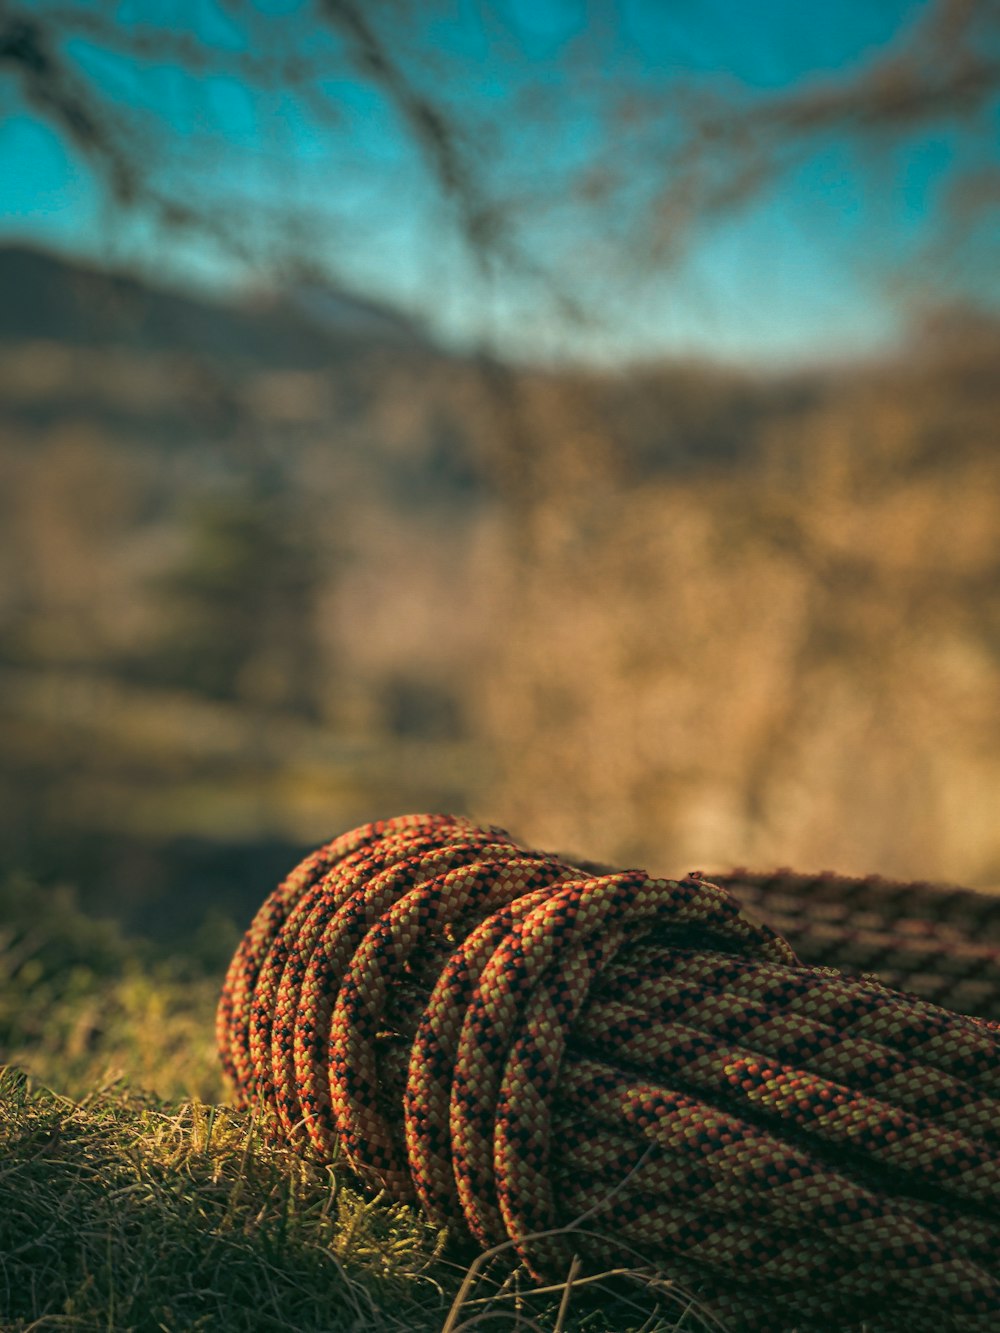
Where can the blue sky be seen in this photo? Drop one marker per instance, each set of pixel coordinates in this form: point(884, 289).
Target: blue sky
point(828, 260)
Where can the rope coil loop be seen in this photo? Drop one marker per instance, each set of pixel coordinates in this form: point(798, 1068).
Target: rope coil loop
point(517, 1043)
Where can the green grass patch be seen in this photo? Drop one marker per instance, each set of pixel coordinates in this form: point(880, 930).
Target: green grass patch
point(124, 1212)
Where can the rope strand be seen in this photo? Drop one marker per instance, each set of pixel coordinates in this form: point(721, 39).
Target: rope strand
point(518, 1042)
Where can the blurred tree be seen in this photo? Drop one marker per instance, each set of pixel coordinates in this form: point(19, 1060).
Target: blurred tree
point(240, 604)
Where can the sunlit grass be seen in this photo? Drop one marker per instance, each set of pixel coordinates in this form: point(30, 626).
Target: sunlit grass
point(120, 1211)
point(82, 1007)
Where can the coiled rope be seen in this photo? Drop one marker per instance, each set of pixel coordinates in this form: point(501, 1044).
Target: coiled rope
point(516, 1042)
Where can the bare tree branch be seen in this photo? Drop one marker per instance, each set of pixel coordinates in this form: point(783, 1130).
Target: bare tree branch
point(663, 163)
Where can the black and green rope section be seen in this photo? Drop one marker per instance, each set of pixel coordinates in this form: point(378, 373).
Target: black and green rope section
point(719, 1075)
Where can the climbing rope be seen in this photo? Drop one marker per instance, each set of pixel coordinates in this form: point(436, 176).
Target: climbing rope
point(640, 1070)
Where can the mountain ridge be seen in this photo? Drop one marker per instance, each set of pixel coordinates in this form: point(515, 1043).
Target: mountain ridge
point(52, 297)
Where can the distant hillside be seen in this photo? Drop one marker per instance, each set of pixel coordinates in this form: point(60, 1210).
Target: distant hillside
point(267, 570)
point(48, 298)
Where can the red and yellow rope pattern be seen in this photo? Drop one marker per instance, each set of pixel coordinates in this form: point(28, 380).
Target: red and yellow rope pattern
point(518, 1043)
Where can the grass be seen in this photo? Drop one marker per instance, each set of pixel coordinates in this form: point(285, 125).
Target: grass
point(132, 1197)
point(119, 1211)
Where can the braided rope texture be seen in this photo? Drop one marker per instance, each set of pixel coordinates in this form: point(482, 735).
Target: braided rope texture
point(641, 1071)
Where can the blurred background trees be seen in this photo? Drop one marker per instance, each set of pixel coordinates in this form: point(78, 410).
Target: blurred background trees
point(239, 618)
point(581, 415)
